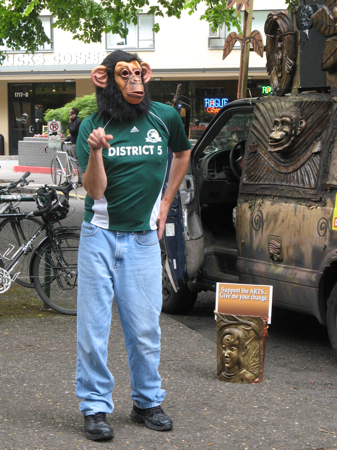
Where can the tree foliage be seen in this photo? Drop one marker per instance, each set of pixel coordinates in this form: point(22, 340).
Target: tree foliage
point(86, 105)
point(88, 20)
point(291, 4)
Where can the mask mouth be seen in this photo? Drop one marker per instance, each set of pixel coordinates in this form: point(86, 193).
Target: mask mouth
point(136, 94)
point(134, 97)
point(277, 143)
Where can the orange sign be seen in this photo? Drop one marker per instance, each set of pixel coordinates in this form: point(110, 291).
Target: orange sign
point(244, 300)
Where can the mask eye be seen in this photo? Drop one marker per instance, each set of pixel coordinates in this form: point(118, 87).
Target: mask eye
point(125, 73)
point(137, 72)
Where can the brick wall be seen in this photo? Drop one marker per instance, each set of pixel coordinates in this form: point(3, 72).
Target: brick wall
point(32, 153)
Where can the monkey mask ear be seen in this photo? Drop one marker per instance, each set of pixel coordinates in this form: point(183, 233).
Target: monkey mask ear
point(146, 72)
point(99, 76)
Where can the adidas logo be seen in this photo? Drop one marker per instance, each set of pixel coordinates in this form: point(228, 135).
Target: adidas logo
point(134, 130)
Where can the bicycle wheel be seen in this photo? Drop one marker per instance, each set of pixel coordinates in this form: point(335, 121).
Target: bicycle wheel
point(72, 170)
point(55, 273)
point(56, 171)
point(15, 232)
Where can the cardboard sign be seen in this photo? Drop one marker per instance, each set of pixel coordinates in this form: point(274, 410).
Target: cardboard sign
point(244, 300)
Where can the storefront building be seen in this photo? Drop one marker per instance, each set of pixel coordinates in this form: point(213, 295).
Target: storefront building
point(184, 52)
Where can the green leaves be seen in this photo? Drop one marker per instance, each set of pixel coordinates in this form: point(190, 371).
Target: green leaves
point(88, 20)
point(30, 7)
point(87, 105)
point(215, 14)
point(291, 4)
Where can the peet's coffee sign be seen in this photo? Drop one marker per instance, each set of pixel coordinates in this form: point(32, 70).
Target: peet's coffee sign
point(40, 59)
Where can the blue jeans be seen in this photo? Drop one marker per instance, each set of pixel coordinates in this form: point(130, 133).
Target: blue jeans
point(127, 266)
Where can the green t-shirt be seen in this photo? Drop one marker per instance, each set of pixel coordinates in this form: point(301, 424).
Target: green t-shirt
point(135, 165)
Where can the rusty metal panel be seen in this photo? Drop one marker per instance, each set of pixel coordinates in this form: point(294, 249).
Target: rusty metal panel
point(303, 228)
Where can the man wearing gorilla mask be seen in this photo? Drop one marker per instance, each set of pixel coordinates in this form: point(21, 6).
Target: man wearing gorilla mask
point(122, 150)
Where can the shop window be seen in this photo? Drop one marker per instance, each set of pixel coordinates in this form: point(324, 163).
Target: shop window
point(46, 23)
point(217, 39)
point(140, 36)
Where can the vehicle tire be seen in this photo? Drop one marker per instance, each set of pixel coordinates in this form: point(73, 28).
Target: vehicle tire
point(55, 273)
point(176, 302)
point(332, 318)
point(73, 171)
point(14, 233)
point(56, 171)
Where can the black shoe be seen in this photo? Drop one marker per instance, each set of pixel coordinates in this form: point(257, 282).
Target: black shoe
point(153, 418)
point(97, 428)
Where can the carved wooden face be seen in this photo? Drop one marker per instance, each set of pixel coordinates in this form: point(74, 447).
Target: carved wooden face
point(128, 77)
point(231, 352)
point(286, 127)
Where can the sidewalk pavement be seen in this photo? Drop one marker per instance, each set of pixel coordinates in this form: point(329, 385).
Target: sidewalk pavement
point(39, 410)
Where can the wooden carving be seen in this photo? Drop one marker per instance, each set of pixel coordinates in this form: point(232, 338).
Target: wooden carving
point(330, 54)
point(230, 42)
point(255, 39)
point(257, 42)
point(286, 140)
point(275, 248)
point(239, 5)
point(281, 50)
point(325, 20)
point(245, 40)
point(240, 348)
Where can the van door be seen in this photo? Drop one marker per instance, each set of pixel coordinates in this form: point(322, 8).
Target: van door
point(184, 243)
point(216, 170)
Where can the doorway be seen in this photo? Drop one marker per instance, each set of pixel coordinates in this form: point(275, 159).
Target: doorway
point(27, 105)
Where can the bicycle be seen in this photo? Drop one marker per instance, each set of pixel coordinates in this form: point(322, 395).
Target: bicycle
point(53, 264)
point(69, 171)
point(14, 230)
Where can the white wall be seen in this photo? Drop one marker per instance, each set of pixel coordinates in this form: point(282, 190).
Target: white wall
point(181, 50)
point(180, 44)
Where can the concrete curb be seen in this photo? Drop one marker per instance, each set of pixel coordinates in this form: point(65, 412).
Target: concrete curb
point(32, 169)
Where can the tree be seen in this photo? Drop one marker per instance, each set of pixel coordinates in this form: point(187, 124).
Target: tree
point(88, 20)
point(86, 106)
point(291, 4)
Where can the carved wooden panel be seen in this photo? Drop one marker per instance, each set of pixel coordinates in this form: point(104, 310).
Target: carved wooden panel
point(286, 141)
point(281, 50)
point(325, 20)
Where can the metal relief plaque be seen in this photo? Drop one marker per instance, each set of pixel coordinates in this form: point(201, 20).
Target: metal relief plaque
point(240, 348)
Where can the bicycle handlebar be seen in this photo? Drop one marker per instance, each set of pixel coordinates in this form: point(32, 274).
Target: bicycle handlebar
point(49, 193)
point(15, 184)
point(49, 196)
point(65, 189)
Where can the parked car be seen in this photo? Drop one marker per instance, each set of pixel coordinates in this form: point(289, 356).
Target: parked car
point(258, 206)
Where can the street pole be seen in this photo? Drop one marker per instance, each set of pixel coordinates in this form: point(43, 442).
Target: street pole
point(245, 48)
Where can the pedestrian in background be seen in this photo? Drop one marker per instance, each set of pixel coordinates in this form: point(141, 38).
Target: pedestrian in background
point(74, 125)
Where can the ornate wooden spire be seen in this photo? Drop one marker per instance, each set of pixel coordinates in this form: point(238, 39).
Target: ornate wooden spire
point(245, 40)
